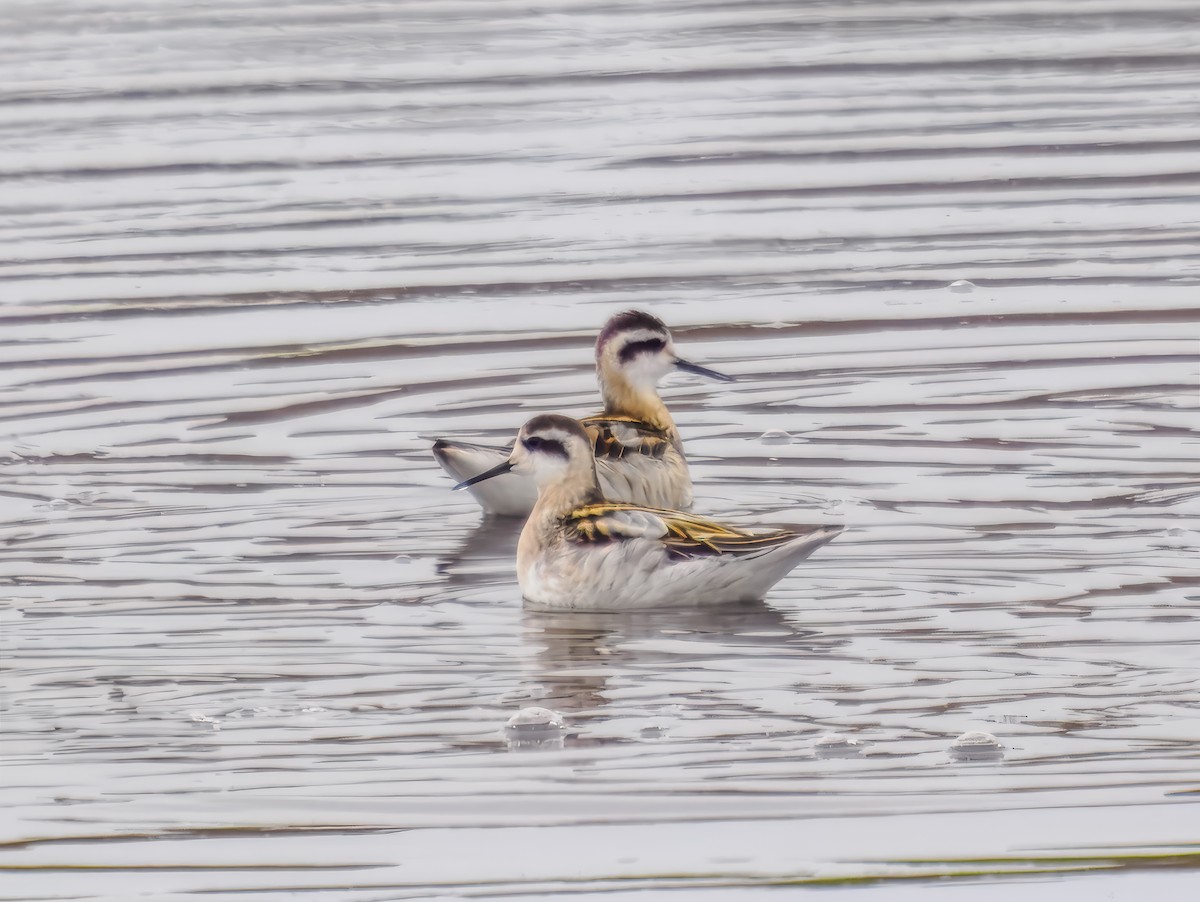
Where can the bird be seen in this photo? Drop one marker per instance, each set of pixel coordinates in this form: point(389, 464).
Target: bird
point(581, 552)
point(638, 451)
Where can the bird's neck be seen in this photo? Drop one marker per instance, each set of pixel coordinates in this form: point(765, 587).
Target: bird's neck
point(555, 501)
point(627, 399)
point(560, 497)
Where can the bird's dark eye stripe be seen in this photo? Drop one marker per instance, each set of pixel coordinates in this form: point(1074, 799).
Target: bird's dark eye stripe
point(649, 346)
point(544, 445)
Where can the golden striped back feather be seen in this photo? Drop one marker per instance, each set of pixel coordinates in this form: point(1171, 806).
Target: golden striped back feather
point(683, 535)
point(607, 444)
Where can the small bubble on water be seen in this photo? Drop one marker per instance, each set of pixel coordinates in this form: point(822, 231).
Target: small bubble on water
point(961, 286)
point(534, 727)
point(836, 745)
point(199, 718)
point(976, 745)
point(775, 437)
point(534, 719)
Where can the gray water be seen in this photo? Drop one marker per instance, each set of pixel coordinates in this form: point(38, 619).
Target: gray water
point(255, 256)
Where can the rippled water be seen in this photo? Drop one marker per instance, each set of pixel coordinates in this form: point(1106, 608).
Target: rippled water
point(255, 649)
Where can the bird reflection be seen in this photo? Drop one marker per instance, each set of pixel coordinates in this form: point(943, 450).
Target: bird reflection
point(575, 654)
point(485, 557)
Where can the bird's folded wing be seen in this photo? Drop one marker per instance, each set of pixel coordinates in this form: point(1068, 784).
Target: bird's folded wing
point(607, 521)
point(683, 535)
point(614, 437)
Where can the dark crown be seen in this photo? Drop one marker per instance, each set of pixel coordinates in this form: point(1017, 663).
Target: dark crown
point(545, 422)
point(629, 321)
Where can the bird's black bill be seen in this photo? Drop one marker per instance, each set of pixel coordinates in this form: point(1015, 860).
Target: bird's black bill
point(701, 371)
point(498, 470)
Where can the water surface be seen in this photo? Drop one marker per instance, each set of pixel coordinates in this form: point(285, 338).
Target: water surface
point(255, 649)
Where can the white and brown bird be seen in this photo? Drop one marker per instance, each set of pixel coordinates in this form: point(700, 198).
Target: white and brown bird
point(638, 451)
point(579, 551)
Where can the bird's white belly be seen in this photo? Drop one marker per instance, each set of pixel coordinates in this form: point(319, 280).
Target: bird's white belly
point(631, 575)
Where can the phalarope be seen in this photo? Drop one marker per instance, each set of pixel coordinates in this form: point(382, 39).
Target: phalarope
point(578, 551)
point(639, 455)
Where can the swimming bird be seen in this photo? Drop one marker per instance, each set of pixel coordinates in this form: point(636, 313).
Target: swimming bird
point(578, 551)
point(639, 454)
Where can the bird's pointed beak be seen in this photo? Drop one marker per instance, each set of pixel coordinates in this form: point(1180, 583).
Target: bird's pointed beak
point(687, 367)
point(498, 470)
